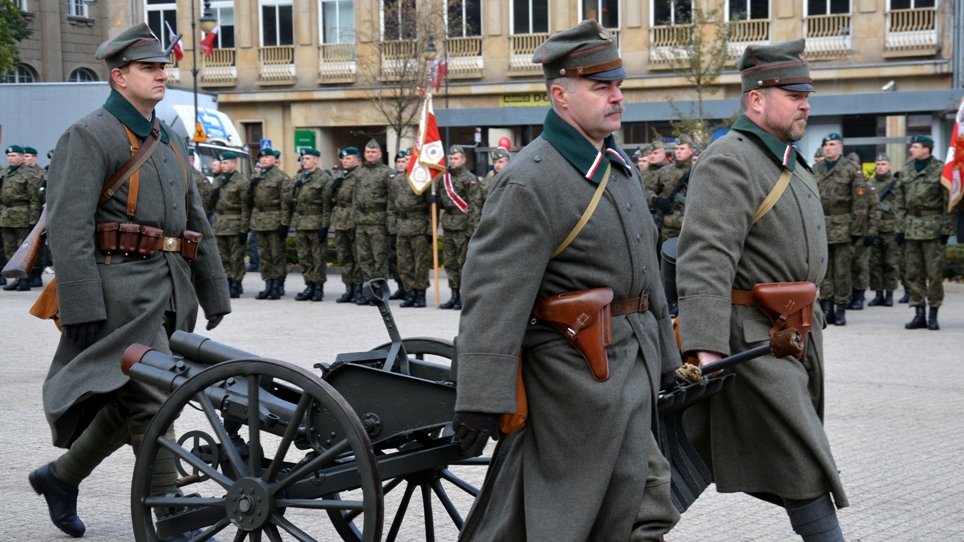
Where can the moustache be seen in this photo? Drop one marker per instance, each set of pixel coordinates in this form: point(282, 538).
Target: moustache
point(615, 108)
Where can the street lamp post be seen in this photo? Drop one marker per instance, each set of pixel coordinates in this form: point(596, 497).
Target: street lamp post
point(208, 22)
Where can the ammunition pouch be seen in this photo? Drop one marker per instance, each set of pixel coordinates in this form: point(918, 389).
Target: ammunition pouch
point(583, 317)
point(134, 240)
point(788, 305)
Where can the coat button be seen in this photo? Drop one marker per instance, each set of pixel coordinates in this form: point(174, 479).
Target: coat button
point(537, 158)
point(629, 206)
point(639, 237)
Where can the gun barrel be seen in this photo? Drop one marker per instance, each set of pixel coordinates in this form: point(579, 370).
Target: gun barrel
point(787, 342)
point(203, 350)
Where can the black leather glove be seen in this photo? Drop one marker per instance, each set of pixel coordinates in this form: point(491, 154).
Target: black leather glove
point(869, 240)
point(283, 232)
point(473, 430)
point(323, 235)
point(663, 204)
point(243, 237)
point(215, 194)
point(901, 239)
point(944, 239)
point(82, 334)
point(213, 321)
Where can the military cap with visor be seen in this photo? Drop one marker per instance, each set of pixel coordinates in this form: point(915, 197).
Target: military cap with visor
point(134, 44)
point(585, 50)
point(778, 65)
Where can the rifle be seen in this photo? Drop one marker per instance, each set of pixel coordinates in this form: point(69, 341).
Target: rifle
point(680, 184)
point(889, 188)
point(22, 261)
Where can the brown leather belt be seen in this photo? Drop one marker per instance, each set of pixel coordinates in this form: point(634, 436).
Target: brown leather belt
point(742, 297)
point(632, 305)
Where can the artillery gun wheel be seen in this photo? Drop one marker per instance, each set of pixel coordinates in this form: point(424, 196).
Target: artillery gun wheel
point(246, 499)
point(436, 483)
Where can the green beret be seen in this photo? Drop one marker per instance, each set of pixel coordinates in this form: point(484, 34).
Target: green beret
point(498, 153)
point(312, 151)
point(456, 149)
point(228, 155)
point(276, 153)
point(778, 65)
point(882, 157)
point(14, 149)
point(265, 152)
point(29, 150)
point(349, 151)
point(372, 144)
point(401, 154)
point(134, 43)
point(585, 50)
point(923, 140)
point(832, 136)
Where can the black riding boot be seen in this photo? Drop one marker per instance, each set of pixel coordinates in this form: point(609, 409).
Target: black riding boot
point(826, 305)
point(932, 319)
point(856, 300)
point(263, 294)
point(877, 300)
point(318, 294)
point(349, 293)
point(277, 289)
point(919, 321)
point(305, 294)
point(453, 301)
point(840, 315)
point(889, 298)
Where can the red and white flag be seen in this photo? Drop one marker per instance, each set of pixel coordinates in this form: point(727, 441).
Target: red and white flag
point(440, 73)
point(172, 37)
point(208, 42)
point(953, 172)
point(428, 156)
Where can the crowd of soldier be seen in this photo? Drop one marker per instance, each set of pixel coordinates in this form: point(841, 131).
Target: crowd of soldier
point(22, 187)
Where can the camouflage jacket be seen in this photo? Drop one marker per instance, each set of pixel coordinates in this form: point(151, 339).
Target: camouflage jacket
point(203, 189)
point(269, 196)
point(308, 200)
point(338, 198)
point(229, 202)
point(370, 196)
point(651, 184)
point(886, 199)
point(922, 202)
point(409, 214)
point(846, 200)
point(20, 197)
point(464, 183)
point(669, 176)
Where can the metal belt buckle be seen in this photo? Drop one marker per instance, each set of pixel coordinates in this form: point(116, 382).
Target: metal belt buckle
point(172, 244)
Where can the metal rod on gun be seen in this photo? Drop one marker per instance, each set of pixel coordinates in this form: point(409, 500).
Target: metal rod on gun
point(736, 359)
point(786, 342)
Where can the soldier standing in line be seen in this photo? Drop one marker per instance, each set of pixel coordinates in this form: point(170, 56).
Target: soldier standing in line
point(410, 216)
point(30, 163)
point(641, 157)
point(925, 227)
point(860, 270)
point(370, 205)
point(20, 205)
point(844, 195)
point(338, 198)
point(311, 224)
point(397, 176)
point(458, 219)
point(658, 158)
point(203, 184)
point(232, 218)
point(269, 196)
point(500, 159)
point(673, 181)
point(885, 257)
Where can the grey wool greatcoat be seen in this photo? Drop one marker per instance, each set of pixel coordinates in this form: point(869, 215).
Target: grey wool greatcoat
point(764, 434)
point(130, 296)
point(578, 470)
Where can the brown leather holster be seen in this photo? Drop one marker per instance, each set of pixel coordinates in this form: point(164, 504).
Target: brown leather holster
point(788, 305)
point(583, 318)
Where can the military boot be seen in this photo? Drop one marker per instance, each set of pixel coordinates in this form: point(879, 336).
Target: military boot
point(826, 305)
point(400, 293)
point(906, 297)
point(932, 319)
point(263, 294)
point(856, 300)
point(277, 289)
point(318, 293)
point(61, 499)
point(36, 280)
point(360, 298)
point(280, 283)
point(24, 285)
point(234, 289)
point(419, 298)
point(840, 315)
point(919, 321)
point(453, 301)
point(15, 285)
point(877, 300)
point(889, 298)
point(305, 294)
point(409, 299)
point(3, 281)
point(348, 295)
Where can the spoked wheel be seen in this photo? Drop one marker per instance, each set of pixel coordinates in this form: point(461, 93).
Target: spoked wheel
point(265, 487)
point(446, 489)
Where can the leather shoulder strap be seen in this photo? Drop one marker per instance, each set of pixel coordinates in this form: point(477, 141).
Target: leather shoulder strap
point(775, 193)
point(139, 156)
point(585, 215)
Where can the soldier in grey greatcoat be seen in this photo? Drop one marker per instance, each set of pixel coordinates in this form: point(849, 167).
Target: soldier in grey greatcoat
point(846, 203)
point(338, 199)
point(925, 226)
point(109, 300)
point(764, 434)
point(459, 219)
point(311, 224)
point(20, 204)
point(885, 256)
point(232, 219)
point(410, 221)
point(370, 205)
point(587, 465)
point(269, 196)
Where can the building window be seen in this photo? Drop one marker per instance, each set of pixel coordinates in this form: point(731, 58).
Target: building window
point(253, 134)
point(902, 4)
point(23, 74)
point(464, 18)
point(399, 20)
point(827, 7)
point(160, 14)
point(672, 12)
point(604, 11)
point(224, 13)
point(276, 24)
point(530, 16)
point(82, 75)
point(746, 10)
point(77, 8)
point(337, 21)
point(22, 4)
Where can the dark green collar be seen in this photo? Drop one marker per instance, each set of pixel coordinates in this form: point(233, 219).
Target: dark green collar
point(131, 117)
point(11, 169)
point(919, 165)
point(578, 151)
point(829, 164)
point(780, 152)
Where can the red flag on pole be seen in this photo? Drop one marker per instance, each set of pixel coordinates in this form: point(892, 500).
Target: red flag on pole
point(172, 37)
point(207, 44)
point(428, 156)
point(440, 73)
point(953, 172)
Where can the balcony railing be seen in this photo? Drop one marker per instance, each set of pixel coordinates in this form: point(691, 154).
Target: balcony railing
point(521, 48)
point(828, 36)
point(336, 63)
point(911, 31)
point(172, 70)
point(219, 68)
point(277, 64)
point(398, 58)
point(464, 57)
point(667, 44)
point(743, 33)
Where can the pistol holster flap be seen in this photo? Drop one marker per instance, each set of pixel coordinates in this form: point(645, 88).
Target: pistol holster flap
point(787, 305)
point(584, 320)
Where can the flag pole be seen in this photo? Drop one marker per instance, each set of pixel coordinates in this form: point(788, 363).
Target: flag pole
point(435, 243)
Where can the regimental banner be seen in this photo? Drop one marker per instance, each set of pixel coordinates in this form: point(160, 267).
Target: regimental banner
point(536, 99)
point(428, 155)
point(953, 172)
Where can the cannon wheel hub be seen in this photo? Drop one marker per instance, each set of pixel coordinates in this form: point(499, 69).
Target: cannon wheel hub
point(249, 504)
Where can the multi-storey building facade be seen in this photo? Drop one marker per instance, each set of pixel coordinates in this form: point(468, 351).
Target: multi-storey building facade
point(320, 72)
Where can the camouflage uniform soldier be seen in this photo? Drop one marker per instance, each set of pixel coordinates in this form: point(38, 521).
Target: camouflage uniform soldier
point(641, 157)
point(860, 269)
point(269, 196)
point(672, 182)
point(30, 163)
point(410, 220)
point(204, 186)
point(370, 205)
point(458, 220)
point(925, 226)
point(844, 195)
point(338, 198)
point(232, 218)
point(657, 160)
point(884, 255)
point(311, 224)
point(397, 176)
point(21, 203)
